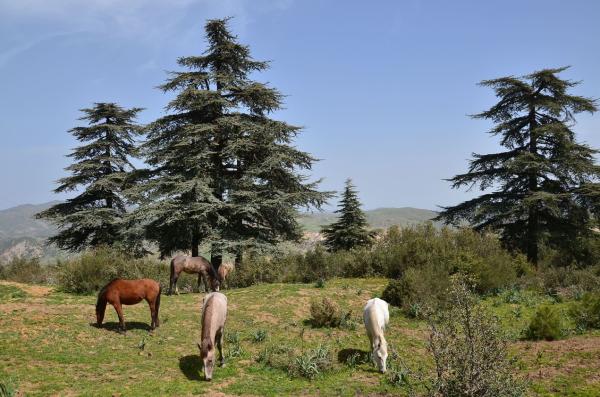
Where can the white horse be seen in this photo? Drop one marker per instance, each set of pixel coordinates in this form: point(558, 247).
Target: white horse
point(376, 316)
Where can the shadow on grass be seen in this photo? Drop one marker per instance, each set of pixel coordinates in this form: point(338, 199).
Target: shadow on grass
point(358, 356)
point(114, 326)
point(191, 366)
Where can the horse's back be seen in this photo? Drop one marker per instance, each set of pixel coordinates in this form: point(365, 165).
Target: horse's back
point(133, 290)
point(214, 308)
point(225, 269)
point(376, 314)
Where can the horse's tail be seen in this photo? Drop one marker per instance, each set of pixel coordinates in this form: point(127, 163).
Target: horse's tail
point(172, 276)
point(158, 299)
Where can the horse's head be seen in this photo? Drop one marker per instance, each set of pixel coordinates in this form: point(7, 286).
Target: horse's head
point(215, 284)
point(207, 353)
point(380, 354)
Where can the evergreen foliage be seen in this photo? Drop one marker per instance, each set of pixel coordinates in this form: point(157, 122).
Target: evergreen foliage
point(544, 188)
point(95, 217)
point(223, 173)
point(350, 230)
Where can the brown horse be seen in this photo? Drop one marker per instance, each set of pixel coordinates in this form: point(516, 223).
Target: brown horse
point(193, 264)
point(214, 314)
point(129, 292)
point(224, 270)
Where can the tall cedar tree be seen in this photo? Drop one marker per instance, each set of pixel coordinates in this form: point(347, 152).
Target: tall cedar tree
point(544, 186)
point(224, 174)
point(96, 216)
point(350, 230)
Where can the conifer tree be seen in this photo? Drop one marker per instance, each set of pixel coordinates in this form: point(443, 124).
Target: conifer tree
point(350, 230)
point(95, 216)
point(224, 173)
point(544, 188)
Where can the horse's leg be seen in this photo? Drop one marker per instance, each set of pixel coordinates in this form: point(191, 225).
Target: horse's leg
point(174, 278)
point(153, 316)
point(206, 287)
point(119, 310)
point(199, 280)
point(220, 347)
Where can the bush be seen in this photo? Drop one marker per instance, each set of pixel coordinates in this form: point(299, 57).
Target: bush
point(27, 270)
point(311, 363)
point(90, 271)
point(568, 282)
point(586, 312)
point(393, 293)
point(469, 351)
point(259, 335)
point(545, 324)
point(325, 313)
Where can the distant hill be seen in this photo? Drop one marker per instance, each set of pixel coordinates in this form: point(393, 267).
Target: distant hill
point(19, 222)
point(23, 235)
point(377, 218)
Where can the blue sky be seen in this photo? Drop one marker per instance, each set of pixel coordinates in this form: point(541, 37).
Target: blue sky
point(383, 88)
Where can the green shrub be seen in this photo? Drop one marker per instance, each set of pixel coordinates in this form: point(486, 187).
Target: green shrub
point(7, 388)
point(27, 270)
point(393, 293)
point(567, 283)
point(233, 344)
point(545, 324)
point(325, 313)
point(320, 283)
point(90, 271)
point(259, 335)
point(312, 363)
point(586, 312)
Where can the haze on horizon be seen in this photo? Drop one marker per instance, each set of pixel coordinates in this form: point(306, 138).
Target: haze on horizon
point(384, 92)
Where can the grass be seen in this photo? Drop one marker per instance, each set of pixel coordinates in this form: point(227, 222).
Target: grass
point(48, 345)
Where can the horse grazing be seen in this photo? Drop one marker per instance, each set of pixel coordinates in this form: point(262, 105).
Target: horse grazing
point(224, 270)
point(376, 316)
point(129, 292)
point(214, 314)
point(193, 264)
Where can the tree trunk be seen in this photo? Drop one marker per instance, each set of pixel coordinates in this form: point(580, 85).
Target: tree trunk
point(195, 242)
point(216, 258)
point(532, 221)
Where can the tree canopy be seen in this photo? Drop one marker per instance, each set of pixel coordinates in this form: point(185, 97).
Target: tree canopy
point(543, 189)
point(350, 230)
point(96, 215)
point(223, 173)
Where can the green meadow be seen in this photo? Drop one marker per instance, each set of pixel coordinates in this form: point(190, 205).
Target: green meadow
point(50, 346)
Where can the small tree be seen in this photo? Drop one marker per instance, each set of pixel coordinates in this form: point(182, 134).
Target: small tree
point(95, 216)
point(350, 230)
point(469, 351)
point(544, 187)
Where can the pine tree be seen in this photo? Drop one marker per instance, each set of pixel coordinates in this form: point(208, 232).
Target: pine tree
point(95, 216)
point(350, 230)
point(543, 189)
point(224, 173)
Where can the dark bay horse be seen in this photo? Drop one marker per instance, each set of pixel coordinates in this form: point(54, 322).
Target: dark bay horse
point(129, 292)
point(193, 264)
point(214, 314)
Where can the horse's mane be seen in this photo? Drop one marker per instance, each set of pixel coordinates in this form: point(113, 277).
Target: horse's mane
point(101, 299)
point(212, 271)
